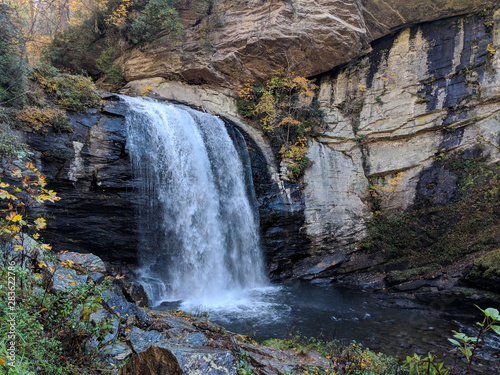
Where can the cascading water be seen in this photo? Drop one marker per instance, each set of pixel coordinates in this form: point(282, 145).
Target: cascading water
point(199, 229)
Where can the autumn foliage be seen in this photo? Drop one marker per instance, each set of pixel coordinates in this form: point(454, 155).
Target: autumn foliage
point(286, 110)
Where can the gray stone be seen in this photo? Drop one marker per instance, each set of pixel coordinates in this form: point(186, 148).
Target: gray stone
point(141, 340)
point(82, 263)
point(194, 339)
point(97, 277)
point(66, 278)
point(118, 351)
point(202, 360)
point(117, 303)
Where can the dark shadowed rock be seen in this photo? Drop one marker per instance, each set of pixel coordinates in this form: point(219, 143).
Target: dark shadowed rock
point(153, 361)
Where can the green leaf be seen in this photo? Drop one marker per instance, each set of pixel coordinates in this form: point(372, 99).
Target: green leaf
point(492, 313)
point(496, 329)
point(454, 342)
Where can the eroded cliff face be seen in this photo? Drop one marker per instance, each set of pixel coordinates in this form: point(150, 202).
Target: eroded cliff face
point(253, 39)
point(390, 117)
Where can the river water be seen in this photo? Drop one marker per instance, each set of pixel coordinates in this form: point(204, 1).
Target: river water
point(347, 314)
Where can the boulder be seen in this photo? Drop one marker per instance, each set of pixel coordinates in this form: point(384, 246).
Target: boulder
point(82, 263)
point(141, 340)
point(202, 360)
point(66, 278)
point(153, 361)
point(116, 302)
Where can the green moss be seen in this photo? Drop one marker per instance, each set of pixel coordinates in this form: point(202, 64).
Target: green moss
point(444, 234)
point(487, 266)
point(397, 277)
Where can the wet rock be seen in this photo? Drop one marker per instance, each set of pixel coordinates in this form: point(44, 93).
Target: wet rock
point(153, 361)
point(134, 292)
point(314, 267)
point(361, 260)
point(413, 285)
point(82, 263)
point(116, 302)
point(90, 171)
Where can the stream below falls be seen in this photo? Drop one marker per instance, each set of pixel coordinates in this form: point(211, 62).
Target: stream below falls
point(346, 314)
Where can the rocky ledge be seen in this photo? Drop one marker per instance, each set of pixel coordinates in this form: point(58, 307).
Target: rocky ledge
point(139, 340)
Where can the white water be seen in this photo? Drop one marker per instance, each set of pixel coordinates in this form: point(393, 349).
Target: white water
point(199, 229)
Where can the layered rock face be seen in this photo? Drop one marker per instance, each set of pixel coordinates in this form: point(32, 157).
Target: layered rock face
point(390, 117)
point(90, 171)
point(253, 39)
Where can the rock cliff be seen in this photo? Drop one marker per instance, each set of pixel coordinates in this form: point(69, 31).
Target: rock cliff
point(253, 39)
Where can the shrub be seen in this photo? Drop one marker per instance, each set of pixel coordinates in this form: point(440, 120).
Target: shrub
point(39, 120)
point(13, 68)
point(158, 16)
point(49, 330)
point(73, 92)
point(112, 72)
point(286, 110)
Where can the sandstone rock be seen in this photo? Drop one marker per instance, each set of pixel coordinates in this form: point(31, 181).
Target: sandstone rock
point(334, 197)
point(258, 38)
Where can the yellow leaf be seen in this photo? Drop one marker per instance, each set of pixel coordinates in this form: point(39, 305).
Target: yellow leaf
point(36, 236)
point(40, 223)
point(16, 172)
point(3, 184)
point(42, 264)
point(18, 247)
point(45, 247)
point(2, 362)
point(13, 216)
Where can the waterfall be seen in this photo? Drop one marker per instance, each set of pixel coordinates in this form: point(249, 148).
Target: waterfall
point(199, 228)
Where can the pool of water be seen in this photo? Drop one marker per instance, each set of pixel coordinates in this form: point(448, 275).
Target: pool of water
point(344, 314)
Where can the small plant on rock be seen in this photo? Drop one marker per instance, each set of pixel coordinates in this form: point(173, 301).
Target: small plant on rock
point(286, 110)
